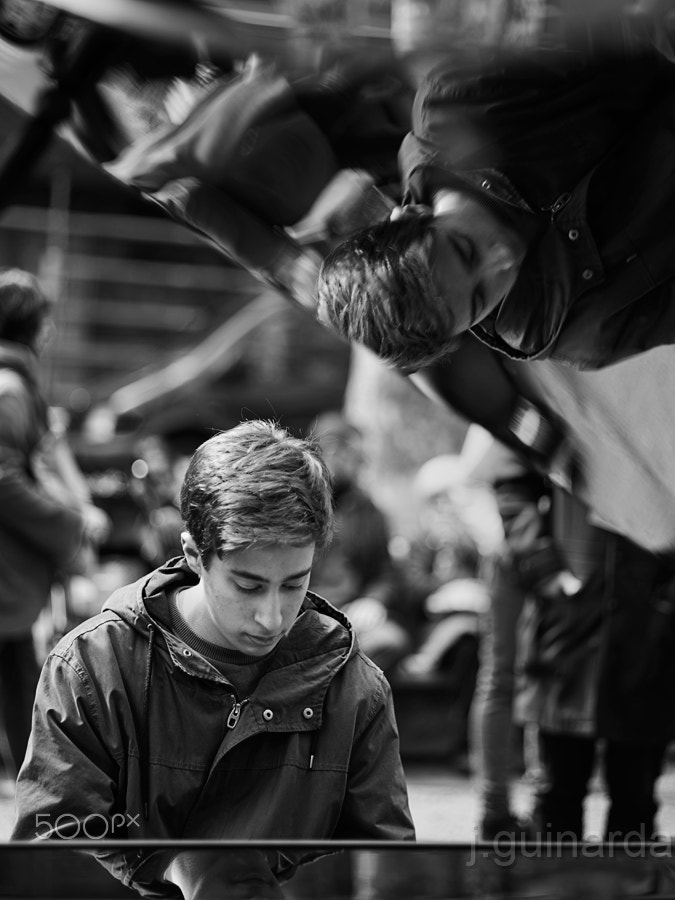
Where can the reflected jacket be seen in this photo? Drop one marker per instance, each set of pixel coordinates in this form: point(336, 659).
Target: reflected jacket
point(578, 152)
point(136, 736)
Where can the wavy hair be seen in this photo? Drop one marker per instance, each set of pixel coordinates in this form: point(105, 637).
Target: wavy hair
point(376, 289)
point(253, 485)
point(23, 306)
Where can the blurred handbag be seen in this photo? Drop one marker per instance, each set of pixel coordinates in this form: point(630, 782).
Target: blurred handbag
point(557, 632)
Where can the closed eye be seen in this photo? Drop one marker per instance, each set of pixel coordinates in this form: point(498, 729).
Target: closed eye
point(464, 247)
point(254, 588)
point(248, 588)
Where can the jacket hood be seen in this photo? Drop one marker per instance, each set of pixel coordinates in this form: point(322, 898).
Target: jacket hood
point(520, 329)
point(301, 670)
point(144, 606)
point(19, 358)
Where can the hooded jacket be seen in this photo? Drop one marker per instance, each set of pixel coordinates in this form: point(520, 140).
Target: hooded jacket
point(135, 736)
point(38, 534)
point(578, 152)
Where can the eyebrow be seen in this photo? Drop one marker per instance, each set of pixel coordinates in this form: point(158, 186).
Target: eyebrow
point(242, 573)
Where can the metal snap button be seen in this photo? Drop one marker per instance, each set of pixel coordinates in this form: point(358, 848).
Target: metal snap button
point(268, 715)
point(486, 185)
point(587, 274)
point(308, 712)
point(573, 234)
point(187, 652)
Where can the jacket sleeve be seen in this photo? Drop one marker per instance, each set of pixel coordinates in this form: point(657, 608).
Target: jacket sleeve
point(49, 526)
point(67, 788)
point(376, 801)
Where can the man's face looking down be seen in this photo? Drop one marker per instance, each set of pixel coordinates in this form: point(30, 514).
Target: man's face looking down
point(246, 600)
point(475, 256)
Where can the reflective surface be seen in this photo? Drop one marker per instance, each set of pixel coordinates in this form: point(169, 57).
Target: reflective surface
point(351, 873)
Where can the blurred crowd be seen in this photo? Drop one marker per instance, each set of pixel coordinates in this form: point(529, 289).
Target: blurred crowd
point(490, 643)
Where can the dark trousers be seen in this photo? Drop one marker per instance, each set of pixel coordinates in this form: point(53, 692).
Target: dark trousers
point(630, 771)
point(19, 673)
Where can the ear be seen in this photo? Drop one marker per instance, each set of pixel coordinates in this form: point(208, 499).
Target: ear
point(191, 553)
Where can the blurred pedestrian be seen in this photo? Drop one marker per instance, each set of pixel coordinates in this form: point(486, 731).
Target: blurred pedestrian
point(448, 569)
point(45, 515)
point(594, 660)
point(357, 571)
point(445, 566)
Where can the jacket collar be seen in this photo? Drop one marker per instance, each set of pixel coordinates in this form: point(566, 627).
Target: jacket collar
point(550, 273)
point(305, 662)
point(20, 358)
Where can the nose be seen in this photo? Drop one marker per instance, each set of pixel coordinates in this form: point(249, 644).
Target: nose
point(268, 613)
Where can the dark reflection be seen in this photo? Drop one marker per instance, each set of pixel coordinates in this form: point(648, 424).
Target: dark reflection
point(335, 872)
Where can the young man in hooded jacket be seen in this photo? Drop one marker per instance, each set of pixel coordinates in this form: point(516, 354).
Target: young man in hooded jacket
point(216, 698)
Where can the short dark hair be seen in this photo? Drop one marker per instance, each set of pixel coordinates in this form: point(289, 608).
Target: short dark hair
point(23, 306)
point(256, 484)
point(377, 289)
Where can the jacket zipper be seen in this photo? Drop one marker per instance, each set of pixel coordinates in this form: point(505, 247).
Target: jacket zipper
point(235, 713)
point(561, 202)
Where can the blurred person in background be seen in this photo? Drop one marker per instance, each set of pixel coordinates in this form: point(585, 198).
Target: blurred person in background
point(445, 566)
point(357, 570)
point(447, 571)
point(47, 521)
point(156, 487)
point(142, 503)
point(493, 728)
point(593, 658)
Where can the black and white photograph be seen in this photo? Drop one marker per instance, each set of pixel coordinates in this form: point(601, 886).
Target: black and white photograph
point(314, 582)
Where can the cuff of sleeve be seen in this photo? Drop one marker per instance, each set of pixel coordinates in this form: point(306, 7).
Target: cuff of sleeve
point(529, 426)
point(144, 873)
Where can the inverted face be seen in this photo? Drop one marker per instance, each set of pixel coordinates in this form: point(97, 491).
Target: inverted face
point(249, 599)
point(475, 257)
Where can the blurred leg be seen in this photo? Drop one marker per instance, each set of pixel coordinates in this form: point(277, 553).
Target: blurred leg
point(631, 772)
point(19, 673)
point(493, 705)
point(569, 762)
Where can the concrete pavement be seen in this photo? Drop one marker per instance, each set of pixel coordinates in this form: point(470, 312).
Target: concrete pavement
point(445, 807)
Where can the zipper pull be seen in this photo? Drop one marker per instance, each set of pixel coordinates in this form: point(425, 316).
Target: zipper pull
point(561, 202)
point(233, 717)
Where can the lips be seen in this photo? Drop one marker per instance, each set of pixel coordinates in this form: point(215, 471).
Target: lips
point(262, 640)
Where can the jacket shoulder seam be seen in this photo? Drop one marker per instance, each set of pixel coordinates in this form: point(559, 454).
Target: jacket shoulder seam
point(83, 676)
point(376, 696)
